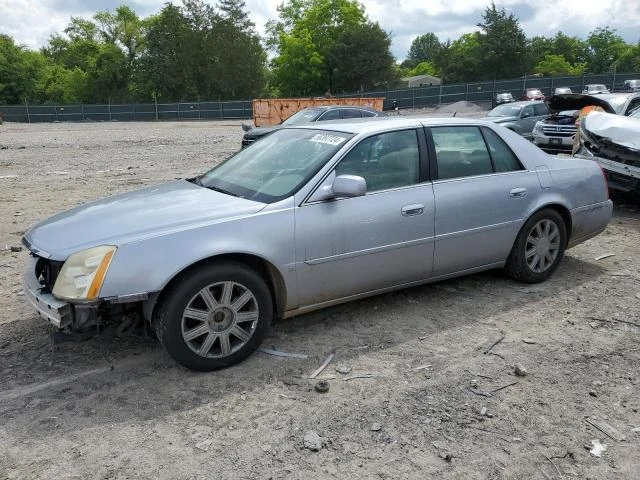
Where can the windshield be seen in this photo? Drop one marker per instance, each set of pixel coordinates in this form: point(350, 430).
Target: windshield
point(275, 167)
point(617, 103)
point(534, 91)
point(303, 116)
point(597, 87)
point(505, 111)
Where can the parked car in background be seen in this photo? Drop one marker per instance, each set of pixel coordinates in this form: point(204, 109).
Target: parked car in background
point(557, 132)
point(614, 142)
point(594, 88)
point(308, 217)
point(312, 114)
point(532, 94)
point(520, 117)
point(562, 90)
point(631, 86)
point(500, 98)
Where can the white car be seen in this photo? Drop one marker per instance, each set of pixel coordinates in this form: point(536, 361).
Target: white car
point(557, 132)
point(595, 88)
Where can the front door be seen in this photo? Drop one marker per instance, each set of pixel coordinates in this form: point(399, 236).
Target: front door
point(349, 246)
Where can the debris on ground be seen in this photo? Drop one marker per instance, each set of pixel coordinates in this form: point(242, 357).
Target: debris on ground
point(323, 366)
point(343, 368)
point(312, 440)
point(519, 370)
point(278, 353)
point(607, 429)
point(375, 427)
point(488, 349)
point(598, 448)
point(606, 255)
point(322, 386)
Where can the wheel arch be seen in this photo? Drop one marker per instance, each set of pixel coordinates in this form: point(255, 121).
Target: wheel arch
point(562, 210)
point(271, 275)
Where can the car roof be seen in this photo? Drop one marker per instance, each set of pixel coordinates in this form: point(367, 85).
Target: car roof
point(522, 103)
point(334, 107)
point(611, 96)
point(382, 124)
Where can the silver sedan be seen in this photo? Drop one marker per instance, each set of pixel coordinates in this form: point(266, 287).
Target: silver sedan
point(309, 217)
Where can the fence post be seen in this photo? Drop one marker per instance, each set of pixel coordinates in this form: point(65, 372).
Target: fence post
point(613, 84)
point(220, 109)
point(413, 97)
point(440, 95)
point(55, 111)
point(155, 101)
point(27, 107)
point(82, 110)
point(133, 105)
point(109, 108)
point(199, 118)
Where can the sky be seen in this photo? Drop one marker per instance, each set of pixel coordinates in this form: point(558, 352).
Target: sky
point(31, 22)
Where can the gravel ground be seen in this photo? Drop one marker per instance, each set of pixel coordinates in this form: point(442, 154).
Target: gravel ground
point(424, 397)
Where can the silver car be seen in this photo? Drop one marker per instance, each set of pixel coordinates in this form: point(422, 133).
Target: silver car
point(308, 217)
point(519, 117)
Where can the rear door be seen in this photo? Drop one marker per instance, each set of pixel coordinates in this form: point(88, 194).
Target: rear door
point(482, 194)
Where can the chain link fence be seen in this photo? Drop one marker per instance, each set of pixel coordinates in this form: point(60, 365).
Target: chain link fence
point(419, 97)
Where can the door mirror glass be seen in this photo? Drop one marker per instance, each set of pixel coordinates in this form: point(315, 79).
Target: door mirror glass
point(349, 186)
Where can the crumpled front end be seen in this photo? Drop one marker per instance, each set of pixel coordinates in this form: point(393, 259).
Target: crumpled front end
point(614, 142)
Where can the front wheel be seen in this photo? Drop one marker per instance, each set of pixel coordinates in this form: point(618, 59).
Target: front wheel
point(215, 316)
point(539, 247)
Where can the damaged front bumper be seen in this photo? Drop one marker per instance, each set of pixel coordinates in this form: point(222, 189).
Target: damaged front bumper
point(57, 312)
point(620, 176)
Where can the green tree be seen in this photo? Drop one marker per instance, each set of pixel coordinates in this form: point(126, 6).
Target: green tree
point(462, 59)
point(423, 68)
point(604, 48)
point(503, 45)
point(304, 38)
point(424, 48)
point(19, 71)
point(361, 58)
point(556, 65)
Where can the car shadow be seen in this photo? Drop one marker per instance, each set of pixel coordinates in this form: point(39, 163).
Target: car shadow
point(109, 379)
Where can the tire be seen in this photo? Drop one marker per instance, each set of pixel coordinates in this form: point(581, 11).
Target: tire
point(215, 316)
point(532, 263)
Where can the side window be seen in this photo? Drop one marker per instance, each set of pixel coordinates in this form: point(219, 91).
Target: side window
point(460, 152)
point(540, 109)
point(351, 113)
point(503, 158)
point(388, 160)
point(527, 111)
point(330, 115)
point(366, 113)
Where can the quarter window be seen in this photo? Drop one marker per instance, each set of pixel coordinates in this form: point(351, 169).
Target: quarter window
point(503, 158)
point(388, 160)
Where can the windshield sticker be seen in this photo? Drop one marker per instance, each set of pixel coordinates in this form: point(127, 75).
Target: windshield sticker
point(328, 139)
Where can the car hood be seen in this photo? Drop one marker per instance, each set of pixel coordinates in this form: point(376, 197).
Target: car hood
point(133, 216)
point(614, 129)
point(258, 132)
point(576, 101)
point(500, 119)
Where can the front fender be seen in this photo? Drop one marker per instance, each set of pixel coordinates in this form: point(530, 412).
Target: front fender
point(148, 265)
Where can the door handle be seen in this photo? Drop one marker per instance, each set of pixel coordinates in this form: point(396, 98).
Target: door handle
point(410, 210)
point(518, 192)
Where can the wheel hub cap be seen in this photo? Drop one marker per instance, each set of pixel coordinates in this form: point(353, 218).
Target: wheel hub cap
point(220, 319)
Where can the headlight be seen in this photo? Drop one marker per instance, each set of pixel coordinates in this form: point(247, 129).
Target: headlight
point(82, 274)
point(538, 128)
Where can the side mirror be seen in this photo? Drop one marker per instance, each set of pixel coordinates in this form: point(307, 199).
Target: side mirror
point(349, 186)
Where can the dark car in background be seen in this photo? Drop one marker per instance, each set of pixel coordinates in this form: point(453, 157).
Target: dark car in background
point(503, 97)
point(519, 116)
point(312, 114)
point(532, 94)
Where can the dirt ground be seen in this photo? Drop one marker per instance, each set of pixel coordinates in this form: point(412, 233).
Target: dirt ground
point(424, 399)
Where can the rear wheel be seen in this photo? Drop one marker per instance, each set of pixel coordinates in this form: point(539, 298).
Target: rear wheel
point(214, 317)
point(539, 247)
